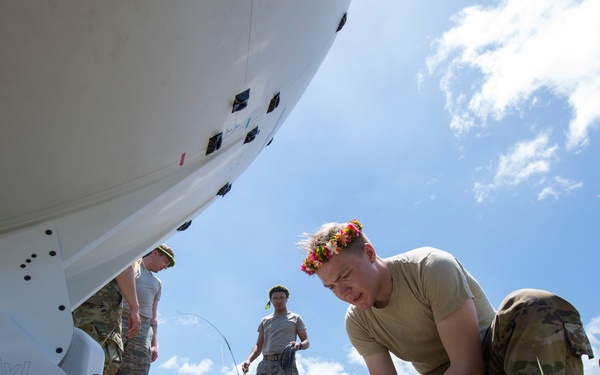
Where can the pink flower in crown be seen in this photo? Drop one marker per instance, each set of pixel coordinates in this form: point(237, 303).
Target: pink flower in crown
point(352, 229)
point(327, 252)
point(307, 270)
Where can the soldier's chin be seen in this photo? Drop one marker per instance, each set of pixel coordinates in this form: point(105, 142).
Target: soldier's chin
point(361, 302)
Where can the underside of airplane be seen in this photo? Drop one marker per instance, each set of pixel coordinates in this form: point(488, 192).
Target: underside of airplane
point(121, 122)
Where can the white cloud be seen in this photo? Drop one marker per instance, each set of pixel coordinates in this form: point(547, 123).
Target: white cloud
point(237, 370)
point(591, 367)
point(354, 357)
point(160, 319)
point(520, 48)
point(187, 320)
point(317, 366)
point(170, 363)
point(593, 331)
point(524, 161)
point(402, 367)
point(183, 366)
point(558, 186)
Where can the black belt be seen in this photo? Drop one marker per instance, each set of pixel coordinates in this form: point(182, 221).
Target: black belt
point(272, 357)
point(143, 319)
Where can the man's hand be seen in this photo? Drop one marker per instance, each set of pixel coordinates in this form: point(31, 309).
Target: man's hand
point(133, 323)
point(245, 366)
point(154, 353)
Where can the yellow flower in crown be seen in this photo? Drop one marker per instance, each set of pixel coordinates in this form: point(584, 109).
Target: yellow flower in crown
point(315, 258)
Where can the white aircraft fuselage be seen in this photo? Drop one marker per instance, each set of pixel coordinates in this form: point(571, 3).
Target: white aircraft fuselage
point(121, 121)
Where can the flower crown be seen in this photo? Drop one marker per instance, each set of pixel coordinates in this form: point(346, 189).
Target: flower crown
point(336, 243)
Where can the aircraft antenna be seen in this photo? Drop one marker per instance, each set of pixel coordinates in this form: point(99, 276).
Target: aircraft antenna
point(224, 338)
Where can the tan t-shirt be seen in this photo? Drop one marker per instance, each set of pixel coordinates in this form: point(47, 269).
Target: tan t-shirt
point(428, 285)
point(279, 330)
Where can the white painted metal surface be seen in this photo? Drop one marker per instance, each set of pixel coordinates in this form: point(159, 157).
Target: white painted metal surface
point(106, 111)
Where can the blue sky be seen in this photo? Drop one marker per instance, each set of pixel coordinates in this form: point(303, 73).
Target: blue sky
point(470, 127)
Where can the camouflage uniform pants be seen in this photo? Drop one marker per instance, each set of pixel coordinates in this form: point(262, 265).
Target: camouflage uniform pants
point(273, 367)
point(137, 356)
point(100, 317)
point(535, 329)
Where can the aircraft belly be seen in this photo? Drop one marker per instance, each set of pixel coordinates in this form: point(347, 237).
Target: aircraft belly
point(99, 98)
point(120, 121)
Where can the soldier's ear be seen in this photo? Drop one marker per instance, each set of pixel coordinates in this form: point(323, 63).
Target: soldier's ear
point(369, 251)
